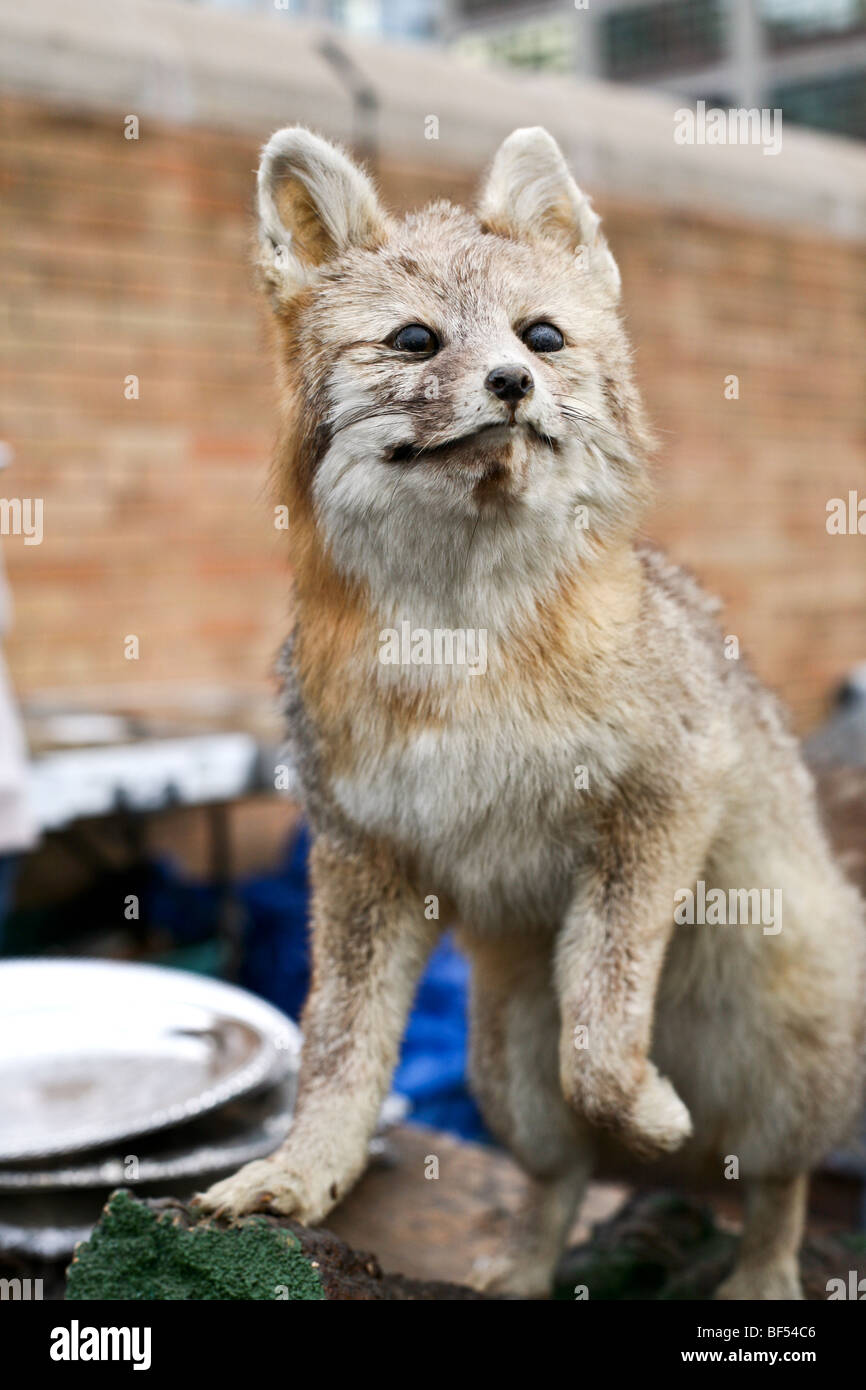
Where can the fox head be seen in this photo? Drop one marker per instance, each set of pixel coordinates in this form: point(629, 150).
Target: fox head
point(460, 408)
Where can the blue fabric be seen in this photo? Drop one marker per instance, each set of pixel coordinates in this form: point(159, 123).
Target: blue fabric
point(432, 1068)
point(9, 864)
point(275, 961)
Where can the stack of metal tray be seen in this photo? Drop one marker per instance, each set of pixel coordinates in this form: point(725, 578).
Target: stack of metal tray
point(115, 1074)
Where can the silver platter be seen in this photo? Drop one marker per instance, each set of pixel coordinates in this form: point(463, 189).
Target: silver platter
point(94, 1052)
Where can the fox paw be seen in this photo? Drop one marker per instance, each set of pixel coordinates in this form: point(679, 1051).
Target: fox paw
point(269, 1184)
point(750, 1284)
point(658, 1121)
point(648, 1116)
point(511, 1275)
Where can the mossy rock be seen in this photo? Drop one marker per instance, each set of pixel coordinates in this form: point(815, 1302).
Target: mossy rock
point(162, 1249)
point(137, 1252)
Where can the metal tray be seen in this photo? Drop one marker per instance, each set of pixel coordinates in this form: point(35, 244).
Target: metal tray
point(249, 1126)
point(93, 1052)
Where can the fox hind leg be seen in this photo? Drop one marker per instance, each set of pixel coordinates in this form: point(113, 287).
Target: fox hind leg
point(767, 1266)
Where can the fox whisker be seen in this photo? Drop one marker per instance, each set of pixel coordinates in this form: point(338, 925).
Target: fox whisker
point(356, 417)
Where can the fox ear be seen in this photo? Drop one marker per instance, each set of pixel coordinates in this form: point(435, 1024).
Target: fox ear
point(313, 204)
point(530, 195)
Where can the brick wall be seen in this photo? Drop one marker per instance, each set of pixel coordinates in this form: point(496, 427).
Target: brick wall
point(130, 257)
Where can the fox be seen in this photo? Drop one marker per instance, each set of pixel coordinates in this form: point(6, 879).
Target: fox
point(463, 449)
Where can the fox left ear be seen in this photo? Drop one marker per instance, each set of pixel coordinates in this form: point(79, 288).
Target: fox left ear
point(530, 195)
point(313, 204)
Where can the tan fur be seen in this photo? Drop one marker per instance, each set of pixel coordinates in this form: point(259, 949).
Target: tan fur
point(608, 757)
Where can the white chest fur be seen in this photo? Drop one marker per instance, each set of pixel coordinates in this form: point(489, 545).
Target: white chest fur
point(493, 811)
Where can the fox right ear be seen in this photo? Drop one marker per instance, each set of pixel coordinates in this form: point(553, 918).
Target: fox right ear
point(313, 203)
point(530, 194)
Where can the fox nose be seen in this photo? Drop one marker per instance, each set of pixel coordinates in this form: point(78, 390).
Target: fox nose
point(510, 384)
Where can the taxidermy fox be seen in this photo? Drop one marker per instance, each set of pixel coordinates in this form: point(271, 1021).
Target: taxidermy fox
point(464, 453)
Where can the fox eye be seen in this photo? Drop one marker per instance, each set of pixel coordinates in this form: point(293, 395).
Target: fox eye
point(543, 337)
point(415, 338)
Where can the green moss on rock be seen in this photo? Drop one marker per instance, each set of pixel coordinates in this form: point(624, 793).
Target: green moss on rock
point(135, 1253)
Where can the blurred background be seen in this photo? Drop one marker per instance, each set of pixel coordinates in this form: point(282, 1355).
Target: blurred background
point(138, 409)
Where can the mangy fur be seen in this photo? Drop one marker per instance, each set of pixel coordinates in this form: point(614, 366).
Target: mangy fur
point(715, 1041)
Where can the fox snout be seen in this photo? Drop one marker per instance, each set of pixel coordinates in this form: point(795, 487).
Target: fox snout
point(510, 384)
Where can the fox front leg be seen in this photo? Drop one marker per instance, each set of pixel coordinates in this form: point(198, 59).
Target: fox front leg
point(608, 963)
point(370, 940)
